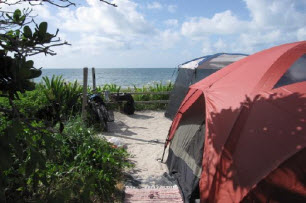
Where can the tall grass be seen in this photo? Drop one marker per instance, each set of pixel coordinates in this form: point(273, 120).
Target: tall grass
point(155, 87)
point(67, 94)
point(110, 87)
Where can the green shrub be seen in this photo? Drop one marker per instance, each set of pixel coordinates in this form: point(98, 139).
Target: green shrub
point(63, 100)
point(38, 165)
point(156, 87)
point(63, 96)
point(109, 87)
point(97, 163)
point(29, 102)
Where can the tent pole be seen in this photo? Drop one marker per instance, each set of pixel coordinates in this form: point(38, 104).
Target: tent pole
point(166, 144)
point(162, 159)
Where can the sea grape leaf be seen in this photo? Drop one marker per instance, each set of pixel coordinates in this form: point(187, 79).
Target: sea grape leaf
point(17, 15)
point(27, 32)
point(29, 64)
point(42, 30)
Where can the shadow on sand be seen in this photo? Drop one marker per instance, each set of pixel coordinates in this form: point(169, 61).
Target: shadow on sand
point(139, 116)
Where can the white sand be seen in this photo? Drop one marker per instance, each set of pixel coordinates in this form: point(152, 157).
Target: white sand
point(144, 133)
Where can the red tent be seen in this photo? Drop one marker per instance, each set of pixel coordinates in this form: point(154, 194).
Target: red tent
point(254, 113)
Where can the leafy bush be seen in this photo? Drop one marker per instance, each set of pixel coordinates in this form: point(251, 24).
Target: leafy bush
point(63, 96)
point(110, 87)
point(39, 164)
point(96, 164)
point(63, 100)
point(53, 101)
point(156, 87)
point(29, 102)
point(25, 154)
point(73, 166)
point(15, 75)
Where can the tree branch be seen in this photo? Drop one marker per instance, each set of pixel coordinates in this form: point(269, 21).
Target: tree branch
point(65, 3)
point(109, 3)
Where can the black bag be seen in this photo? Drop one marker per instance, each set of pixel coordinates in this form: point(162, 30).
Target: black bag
point(129, 107)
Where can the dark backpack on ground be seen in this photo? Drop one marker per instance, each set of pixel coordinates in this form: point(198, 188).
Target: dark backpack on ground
point(129, 107)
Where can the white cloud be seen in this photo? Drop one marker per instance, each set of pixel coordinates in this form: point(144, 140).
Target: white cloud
point(252, 42)
point(168, 39)
point(96, 43)
point(301, 34)
point(172, 8)
point(154, 5)
point(206, 48)
point(274, 13)
point(124, 20)
point(171, 22)
point(260, 38)
point(102, 26)
point(272, 22)
point(221, 23)
point(220, 46)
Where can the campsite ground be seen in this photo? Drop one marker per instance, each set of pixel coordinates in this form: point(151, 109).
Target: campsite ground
point(143, 134)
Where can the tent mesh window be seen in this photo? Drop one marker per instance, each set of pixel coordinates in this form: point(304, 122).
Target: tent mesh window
point(296, 73)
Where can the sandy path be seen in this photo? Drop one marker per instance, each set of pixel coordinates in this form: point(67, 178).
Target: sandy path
point(144, 134)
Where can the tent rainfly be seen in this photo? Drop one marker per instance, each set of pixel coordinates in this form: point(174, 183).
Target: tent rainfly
point(194, 71)
point(240, 134)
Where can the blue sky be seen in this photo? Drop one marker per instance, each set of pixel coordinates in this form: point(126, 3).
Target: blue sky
point(165, 33)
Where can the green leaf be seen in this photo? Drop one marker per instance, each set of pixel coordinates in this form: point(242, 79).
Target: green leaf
point(17, 33)
point(27, 32)
point(29, 64)
point(42, 29)
point(22, 18)
point(20, 189)
point(48, 37)
point(17, 15)
point(34, 73)
point(10, 33)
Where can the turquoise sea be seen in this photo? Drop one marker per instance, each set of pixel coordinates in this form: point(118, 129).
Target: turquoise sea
point(124, 77)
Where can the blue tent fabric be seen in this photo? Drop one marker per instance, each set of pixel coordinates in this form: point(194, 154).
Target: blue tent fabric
point(189, 73)
point(209, 57)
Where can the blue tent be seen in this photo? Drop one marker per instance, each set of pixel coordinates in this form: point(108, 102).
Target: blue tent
point(193, 71)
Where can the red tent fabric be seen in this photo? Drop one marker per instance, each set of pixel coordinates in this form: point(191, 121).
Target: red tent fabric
point(255, 133)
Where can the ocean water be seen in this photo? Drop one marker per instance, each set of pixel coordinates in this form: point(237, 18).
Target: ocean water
point(124, 77)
